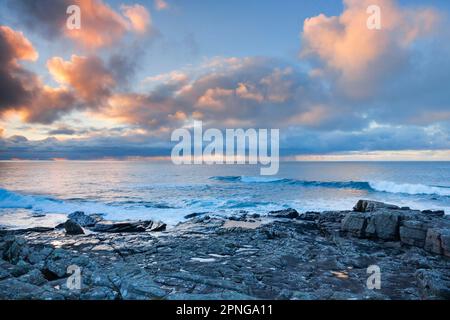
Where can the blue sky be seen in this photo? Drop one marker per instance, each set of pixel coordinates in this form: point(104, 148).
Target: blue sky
point(135, 72)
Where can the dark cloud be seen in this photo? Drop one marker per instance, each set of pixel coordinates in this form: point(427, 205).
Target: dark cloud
point(62, 131)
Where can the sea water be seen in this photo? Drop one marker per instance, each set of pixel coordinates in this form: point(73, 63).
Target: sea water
point(44, 192)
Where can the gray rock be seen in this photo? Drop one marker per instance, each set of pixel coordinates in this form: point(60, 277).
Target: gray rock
point(20, 268)
point(370, 206)
point(82, 219)
point(432, 285)
point(73, 228)
point(286, 213)
point(13, 249)
point(13, 288)
point(354, 224)
point(413, 233)
point(433, 241)
point(383, 225)
point(445, 243)
point(34, 277)
point(99, 293)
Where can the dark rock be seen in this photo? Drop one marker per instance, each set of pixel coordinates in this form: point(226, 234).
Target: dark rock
point(309, 216)
point(436, 213)
point(370, 206)
point(286, 213)
point(129, 226)
point(160, 226)
point(82, 219)
point(73, 228)
point(194, 214)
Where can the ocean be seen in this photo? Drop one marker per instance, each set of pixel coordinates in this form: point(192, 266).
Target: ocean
point(42, 193)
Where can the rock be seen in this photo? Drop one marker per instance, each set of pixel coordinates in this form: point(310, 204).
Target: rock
point(354, 224)
point(370, 206)
point(286, 213)
point(73, 228)
point(35, 277)
point(194, 214)
point(82, 219)
point(432, 285)
point(383, 225)
point(99, 293)
point(436, 213)
point(12, 288)
point(20, 268)
point(129, 226)
point(160, 226)
point(445, 243)
point(140, 288)
point(13, 249)
point(413, 233)
point(433, 241)
point(308, 216)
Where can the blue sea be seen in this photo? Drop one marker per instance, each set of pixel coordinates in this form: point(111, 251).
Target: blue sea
point(42, 193)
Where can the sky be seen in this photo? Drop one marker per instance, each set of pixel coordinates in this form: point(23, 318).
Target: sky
point(137, 70)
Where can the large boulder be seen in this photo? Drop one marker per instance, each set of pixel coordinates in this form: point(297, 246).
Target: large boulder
point(73, 228)
point(354, 224)
point(286, 213)
point(383, 225)
point(413, 233)
point(370, 206)
point(438, 241)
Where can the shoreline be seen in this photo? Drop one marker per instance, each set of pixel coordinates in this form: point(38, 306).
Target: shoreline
point(287, 255)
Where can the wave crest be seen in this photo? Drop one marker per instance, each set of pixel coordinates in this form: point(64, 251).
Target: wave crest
point(377, 186)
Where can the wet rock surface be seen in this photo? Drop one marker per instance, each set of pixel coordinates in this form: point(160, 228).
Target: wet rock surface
point(304, 256)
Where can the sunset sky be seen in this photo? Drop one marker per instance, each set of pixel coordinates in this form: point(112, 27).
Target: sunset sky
point(137, 70)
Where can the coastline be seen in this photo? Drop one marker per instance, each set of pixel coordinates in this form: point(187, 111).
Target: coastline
point(286, 255)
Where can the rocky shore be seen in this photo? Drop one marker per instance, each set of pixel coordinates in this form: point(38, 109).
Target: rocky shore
point(286, 255)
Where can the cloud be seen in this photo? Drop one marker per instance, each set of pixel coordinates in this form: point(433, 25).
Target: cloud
point(139, 17)
point(359, 58)
point(101, 25)
point(13, 78)
point(62, 131)
point(88, 76)
point(161, 5)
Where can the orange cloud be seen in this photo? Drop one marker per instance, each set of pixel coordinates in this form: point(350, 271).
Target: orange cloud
point(87, 75)
point(346, 46)
point(102, 26)
point(213, 98)
point(161, 5)
point(20, 47)
point(138, 16)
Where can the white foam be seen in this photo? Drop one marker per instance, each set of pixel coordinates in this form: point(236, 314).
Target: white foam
point(407, 188)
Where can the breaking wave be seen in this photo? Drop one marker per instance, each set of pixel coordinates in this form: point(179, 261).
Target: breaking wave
point(380, 186)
